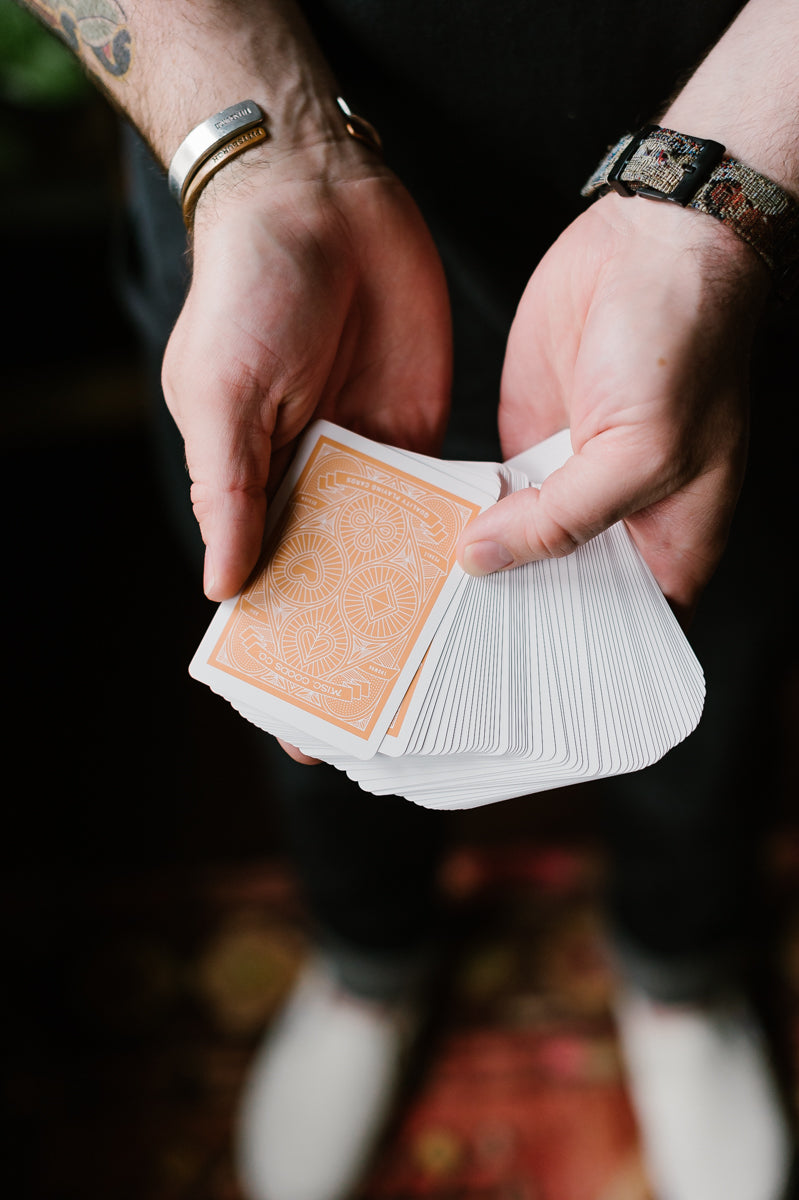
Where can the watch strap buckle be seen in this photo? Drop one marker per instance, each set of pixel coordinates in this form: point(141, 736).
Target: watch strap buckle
point(658, 155)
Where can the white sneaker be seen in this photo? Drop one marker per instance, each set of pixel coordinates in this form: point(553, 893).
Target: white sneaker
point(320, 1092)
point(711, 1120)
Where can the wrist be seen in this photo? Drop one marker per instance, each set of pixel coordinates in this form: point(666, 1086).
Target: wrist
point(660, 164)
point(269, 178)
point(261, 49)
point(768, 153)
point(328, 151)
point(676, 241)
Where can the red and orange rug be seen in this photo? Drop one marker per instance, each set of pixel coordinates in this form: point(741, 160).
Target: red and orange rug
point(136, 1005)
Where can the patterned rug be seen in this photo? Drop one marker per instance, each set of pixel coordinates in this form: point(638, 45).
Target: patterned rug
point(135, 1004)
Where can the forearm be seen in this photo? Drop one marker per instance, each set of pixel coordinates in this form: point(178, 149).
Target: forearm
point(170, 65)
point(746, 92)
point(636, 330)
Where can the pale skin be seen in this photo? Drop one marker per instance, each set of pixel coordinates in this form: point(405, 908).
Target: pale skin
point(316, 290)
point(635, 332)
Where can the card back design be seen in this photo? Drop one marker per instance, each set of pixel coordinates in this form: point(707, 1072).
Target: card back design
point(353, 569)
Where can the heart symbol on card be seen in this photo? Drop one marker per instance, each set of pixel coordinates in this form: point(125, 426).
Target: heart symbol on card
point(307, 569)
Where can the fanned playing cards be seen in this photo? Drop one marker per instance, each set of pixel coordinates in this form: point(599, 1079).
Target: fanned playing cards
point(362, 642)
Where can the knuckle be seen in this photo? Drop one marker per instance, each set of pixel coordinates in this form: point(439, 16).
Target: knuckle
point(555, 537)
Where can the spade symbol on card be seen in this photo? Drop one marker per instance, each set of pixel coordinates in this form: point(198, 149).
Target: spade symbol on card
point(315, 643)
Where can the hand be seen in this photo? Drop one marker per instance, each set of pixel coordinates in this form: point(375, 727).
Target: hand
point(634, 332)
point(312, 295)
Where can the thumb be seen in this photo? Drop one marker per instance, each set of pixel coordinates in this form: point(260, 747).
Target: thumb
point(228, 457)
point(231, 520)
point(576, 502)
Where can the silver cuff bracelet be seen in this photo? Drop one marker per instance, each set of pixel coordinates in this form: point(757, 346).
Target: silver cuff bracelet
point(207, 137)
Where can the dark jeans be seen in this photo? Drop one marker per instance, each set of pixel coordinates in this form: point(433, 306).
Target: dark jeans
point(682, 836)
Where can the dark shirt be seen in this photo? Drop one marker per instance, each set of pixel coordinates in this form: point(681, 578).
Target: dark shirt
point(495, 112)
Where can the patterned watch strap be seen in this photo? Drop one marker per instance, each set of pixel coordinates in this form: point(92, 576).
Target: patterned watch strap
point(665, 165)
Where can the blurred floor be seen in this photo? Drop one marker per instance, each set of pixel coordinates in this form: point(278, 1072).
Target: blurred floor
point(150, 923)
point(133, 1001)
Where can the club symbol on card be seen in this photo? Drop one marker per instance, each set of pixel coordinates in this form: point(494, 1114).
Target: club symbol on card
point(371, 529)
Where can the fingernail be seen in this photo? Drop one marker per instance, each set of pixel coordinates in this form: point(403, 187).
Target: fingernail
point(208, 574)
point(483, 558)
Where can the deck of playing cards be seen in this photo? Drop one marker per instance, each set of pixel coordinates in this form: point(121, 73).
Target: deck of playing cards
point(360, 640)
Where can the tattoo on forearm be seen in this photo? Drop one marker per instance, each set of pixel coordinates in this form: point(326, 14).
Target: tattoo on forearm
point(96, 27)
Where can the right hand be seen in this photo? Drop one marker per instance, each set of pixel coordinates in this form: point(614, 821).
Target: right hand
point(634, 332)
point(316, 292)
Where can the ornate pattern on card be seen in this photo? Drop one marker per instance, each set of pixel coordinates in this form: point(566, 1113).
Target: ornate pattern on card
point(353, 568)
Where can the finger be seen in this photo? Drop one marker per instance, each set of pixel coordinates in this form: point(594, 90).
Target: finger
point(231, 522)
point(297, 755)
point(228, 452)
point(680, 531)
point(576, 502)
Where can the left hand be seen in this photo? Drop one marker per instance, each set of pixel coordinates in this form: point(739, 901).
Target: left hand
point(309, 298)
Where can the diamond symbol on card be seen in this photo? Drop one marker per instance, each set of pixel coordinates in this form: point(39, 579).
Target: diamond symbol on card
point(379, 602)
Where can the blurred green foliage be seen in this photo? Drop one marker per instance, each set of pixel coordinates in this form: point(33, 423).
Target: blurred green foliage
point(36, 69)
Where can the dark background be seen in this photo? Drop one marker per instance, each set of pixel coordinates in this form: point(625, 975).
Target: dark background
point(127, 785)
point(120, 753)
point(130, 790)
point(140, 835)
point(120, 758)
